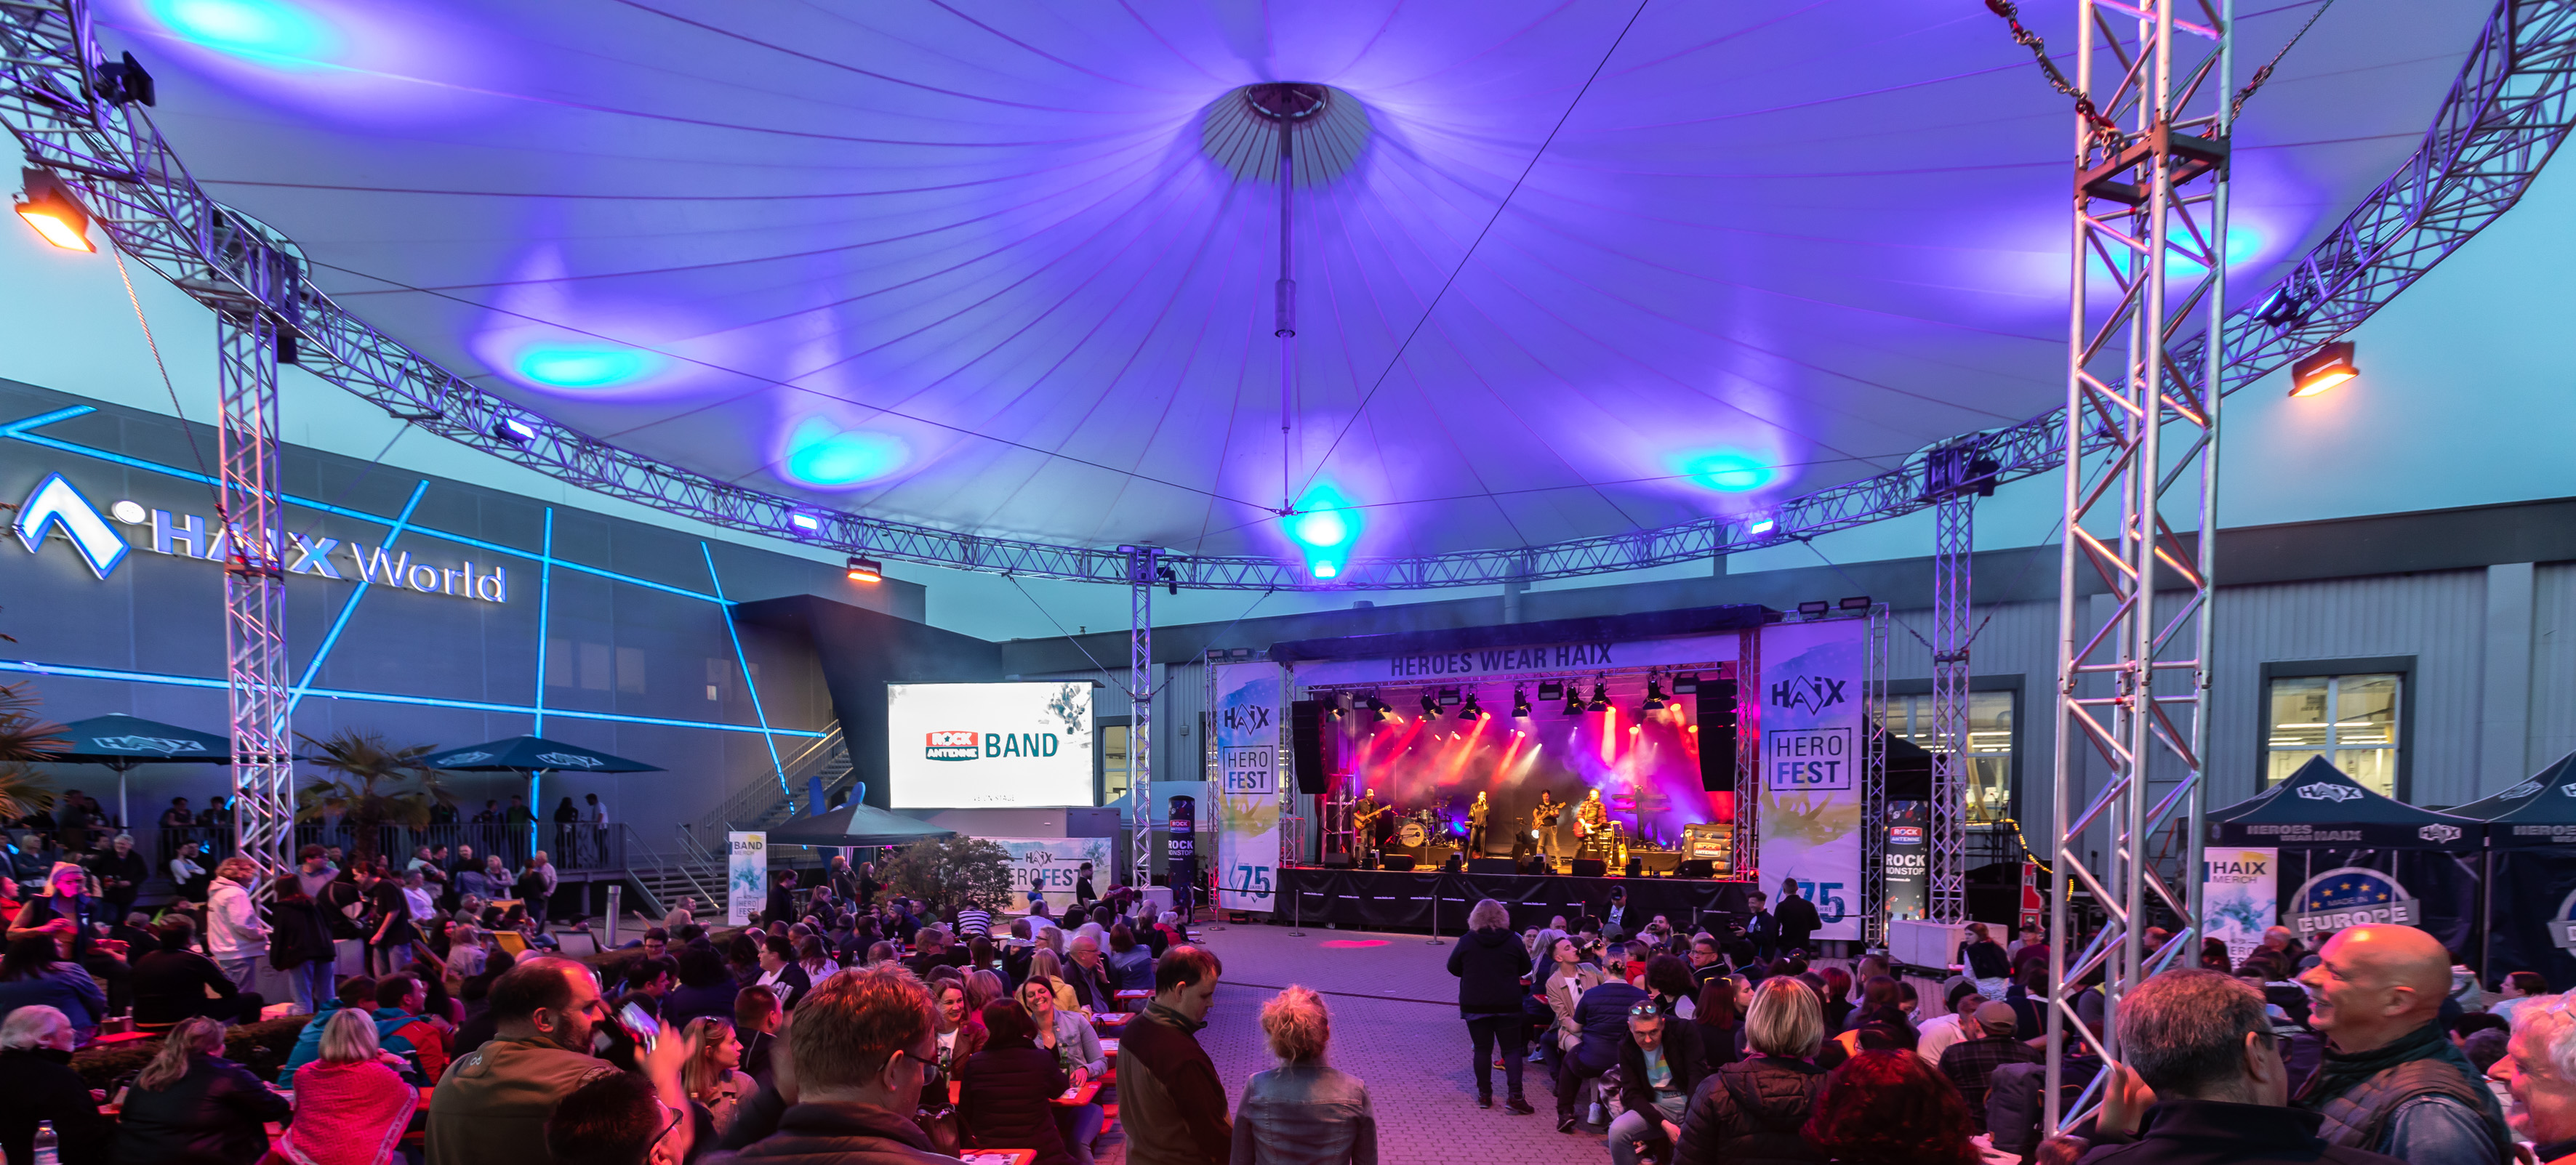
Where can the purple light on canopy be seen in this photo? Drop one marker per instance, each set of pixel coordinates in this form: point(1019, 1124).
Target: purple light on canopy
point(341, 60)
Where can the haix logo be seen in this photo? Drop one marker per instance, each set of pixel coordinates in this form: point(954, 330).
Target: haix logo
point(568, 760)
point(2323, 791)
point(54, 507)
point(2524, 789)
point(958, 744)
point(1813, 693)
point(162, 745)
point(2570, 790)
point(2439, 833)
point(467, 758)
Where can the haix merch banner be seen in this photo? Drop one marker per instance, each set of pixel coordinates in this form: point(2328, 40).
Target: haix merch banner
point(2240, 894)
point(1813, 732)
point(1249, 717)
point(746, 876)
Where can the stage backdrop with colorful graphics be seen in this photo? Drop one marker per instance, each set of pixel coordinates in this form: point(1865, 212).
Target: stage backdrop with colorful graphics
point(1250, 717)
point(1812, 738)
point(2239, 896)
point(1051, 862)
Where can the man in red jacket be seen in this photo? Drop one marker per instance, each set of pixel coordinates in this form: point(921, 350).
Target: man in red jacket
point(1170, 1100)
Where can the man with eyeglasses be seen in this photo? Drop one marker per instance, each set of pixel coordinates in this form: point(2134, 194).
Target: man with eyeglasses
point(493, 1103)
point(2539, 1069)
point(858, 1048)
point(2203, 1082)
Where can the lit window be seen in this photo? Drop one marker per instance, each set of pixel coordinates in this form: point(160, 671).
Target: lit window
point(1113, 762)
point(1990, 747)
point(2349, 720)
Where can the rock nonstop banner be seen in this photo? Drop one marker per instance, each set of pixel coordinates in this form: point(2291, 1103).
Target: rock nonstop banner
point(1813, 731)
point(1251, 718)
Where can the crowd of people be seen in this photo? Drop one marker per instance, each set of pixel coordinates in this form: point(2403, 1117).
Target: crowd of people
point(2375, 1046)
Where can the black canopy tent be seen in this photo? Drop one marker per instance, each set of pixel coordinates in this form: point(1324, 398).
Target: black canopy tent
point(2401, 863)
point(2531, 875)
point(855, 824)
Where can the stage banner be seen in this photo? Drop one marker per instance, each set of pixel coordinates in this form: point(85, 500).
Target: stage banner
point(1531, 660)
point(1908, 859)
point(746, 876)
point(1051, 863)
point(2240, 893)
point(1812, 726)
point(1250, 720)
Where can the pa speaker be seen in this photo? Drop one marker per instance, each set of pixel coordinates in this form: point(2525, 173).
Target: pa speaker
point(1696, 868)
point(1591, 868)
point(1306, 744)
point(1717, 724)
point(1397, 862)
point(1492, 866)
point(1337, 861)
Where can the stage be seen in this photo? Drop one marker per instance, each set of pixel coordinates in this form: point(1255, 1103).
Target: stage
point(1390, 900)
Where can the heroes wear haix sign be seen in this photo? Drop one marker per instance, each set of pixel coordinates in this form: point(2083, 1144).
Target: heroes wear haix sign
point(55, 508)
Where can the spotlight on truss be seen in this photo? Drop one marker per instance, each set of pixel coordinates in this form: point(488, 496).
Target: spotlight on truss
point(2328, 366)
point(866, 570)
point(49, 207)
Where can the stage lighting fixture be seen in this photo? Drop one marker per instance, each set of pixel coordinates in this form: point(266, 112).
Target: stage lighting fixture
point(1430, 707)
point(1573, 700)
point(1380, 710)
point(1448, 697)
point(866, 570)
point(1171, 581)
point(1600, 699)
point(1855, 603)
point(1520, 704)
point(1471, 711)
point(514, 431)
point(1686, 683)
point(2314, 373)
point(49, 207)
point(1550, 691)
point(1815, 608)
point(1762, 525)
point(124, 81)
point(1654, 695)
point(808, 523)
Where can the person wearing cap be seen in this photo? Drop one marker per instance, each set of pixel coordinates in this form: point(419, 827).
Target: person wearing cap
point(1970, 1064)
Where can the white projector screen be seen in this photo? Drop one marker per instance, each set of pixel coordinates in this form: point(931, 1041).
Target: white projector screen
point(988, 746)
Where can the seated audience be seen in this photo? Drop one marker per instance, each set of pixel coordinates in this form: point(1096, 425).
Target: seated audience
point(858, 1050)
point(35, 970)
point(1131, 966)
point(713, 1074)
point(961, 1032)
point(192, 1105)
point(705, 988)
point(1303, 1112)
point(173, 982)
point(625, 1118)
point(351, 1106)
point(1659, 1067)
point(1068, 1037)
point(1888, 1107)
point(37, 1084)
point(779, 972)
point(1006, 1091)
point(1751, 1110)
point(756, 1020)
point(1970, 1064)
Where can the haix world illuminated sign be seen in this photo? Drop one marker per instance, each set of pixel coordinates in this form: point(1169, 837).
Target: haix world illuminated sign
point(56, 509)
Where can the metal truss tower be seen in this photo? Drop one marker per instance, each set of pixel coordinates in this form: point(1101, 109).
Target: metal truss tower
point(255, 663)
point(1143, 562)
point(1953, 476)
point(2153, 108)
point(1872, 903)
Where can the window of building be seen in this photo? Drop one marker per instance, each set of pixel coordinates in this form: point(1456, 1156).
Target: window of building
point(1113, 761)
point(1990, 746)
point(2351, 720)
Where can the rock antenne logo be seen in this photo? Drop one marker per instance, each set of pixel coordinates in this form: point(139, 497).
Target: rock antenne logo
point(952, 745)
point(1813, 693)
point(160, 744)
point(2324, 791)
point(2351, 896)
point(2439, 833)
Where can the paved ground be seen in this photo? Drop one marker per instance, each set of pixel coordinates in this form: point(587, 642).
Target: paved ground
point(1396, 1026)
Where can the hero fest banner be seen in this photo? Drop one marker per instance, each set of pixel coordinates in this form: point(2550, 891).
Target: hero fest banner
point(1250, 717)
point(1812, 733)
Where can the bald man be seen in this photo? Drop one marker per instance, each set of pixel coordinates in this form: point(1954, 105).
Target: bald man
point(2392, 1082)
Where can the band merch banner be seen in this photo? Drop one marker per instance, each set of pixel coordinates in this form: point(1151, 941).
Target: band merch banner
point(1250, 721)
point(1812, 731)
point(2239, 896)
point(746, 876)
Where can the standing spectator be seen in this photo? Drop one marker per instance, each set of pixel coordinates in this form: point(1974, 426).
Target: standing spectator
point(1761, 927)
point(781, 906)
point(1986, 963)
point(300, 944)
point(391, 938)
point(1067, 1036)
point(2539, 1069)
point(1171, 1100)
point(859, 1050)
point(1083, 895)
point(1601, 1029)
point(1303, 1112)
point(351, 1108)
point(190, 1104)
point(1659, 1067)
point(973, 921)
point(121, 873)
point(235, 936)
point(2392, 1081)
point(537, 887)
point(1797, 917)
point(493, 1102)
point(32, 973)
point(712, 1073)
point(37, 1084)
point(1752, 1109)
point(188, 875)
point(1006, 1091)
point(173, 982)
point(779, 972)
point(2515, 988)
point(1490, 964)
point(1888, 1107)
point(597, 817)
point(2204, 1082)
point(566, 818)
point(756, 1020)
point(1970, 1063)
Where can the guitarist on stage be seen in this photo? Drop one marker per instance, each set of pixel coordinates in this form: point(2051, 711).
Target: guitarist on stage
point(1592, 822)
point(1545, 819)
point(1366, 816)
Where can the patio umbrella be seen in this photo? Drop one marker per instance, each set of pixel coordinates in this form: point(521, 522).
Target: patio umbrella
point(121, 742)
point(532, 755)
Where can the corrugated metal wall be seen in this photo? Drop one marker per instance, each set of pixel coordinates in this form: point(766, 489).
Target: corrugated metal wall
point(2553, 663)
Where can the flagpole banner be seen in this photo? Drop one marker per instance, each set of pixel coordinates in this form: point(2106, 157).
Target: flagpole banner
point(746, 876)
point(2240, 893)
point(1250, 716)
point(1812, 735)
point(1908, 877)
point(1052, 864)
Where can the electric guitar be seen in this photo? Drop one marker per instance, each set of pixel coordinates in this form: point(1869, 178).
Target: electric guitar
point(1363, 818)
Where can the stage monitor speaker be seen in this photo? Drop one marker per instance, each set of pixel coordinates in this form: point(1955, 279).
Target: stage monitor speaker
point(1717, 724)
point(1696, 868)
point(1399, 863)
point(1492, 866)
point(1591, 868)
point(1306, 744)
point(1337, 861)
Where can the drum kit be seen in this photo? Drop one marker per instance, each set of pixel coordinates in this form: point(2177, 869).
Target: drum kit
point(1424, 827)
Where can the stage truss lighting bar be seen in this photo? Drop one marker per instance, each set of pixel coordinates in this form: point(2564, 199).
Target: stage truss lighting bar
point(2509, 108)
point(2323, 369)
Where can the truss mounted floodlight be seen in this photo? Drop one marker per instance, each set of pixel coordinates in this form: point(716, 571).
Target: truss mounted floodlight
point(49, 207)
point(866, 570)
point(1854, 603)
point(805, 522)
point(1520, 703)
point(1654, 695)
point(1573, 699)
point(1600, 698)
point(514, 430)
point(1685, 684)
point(1815, 608)
point(2323, 369)
point(1380, 710)
point(1430, 707)
point(1470, 711)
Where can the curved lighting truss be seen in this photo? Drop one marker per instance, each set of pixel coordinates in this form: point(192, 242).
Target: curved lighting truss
point(2504, 116)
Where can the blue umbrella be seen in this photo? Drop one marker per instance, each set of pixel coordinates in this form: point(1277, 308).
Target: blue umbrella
point(121, 742)
point(520, 754)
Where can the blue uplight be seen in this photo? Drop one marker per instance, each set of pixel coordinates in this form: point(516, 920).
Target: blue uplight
point(822, 454)
point(595, 367)
point(269, 30)
point(1726, 471)
point(1325, 525)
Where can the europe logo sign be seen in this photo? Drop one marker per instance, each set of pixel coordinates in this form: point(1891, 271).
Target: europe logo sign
point(2351, 896)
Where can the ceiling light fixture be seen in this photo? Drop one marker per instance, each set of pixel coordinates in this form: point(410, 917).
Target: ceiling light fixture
point(866, 570)
point(1600, 698)
point(49, 207)
point(1520, 703)
point(1430, 707)
point(2328, 366)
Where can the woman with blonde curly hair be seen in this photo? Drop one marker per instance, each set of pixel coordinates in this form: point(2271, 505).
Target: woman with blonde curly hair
point(1303, 1112)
